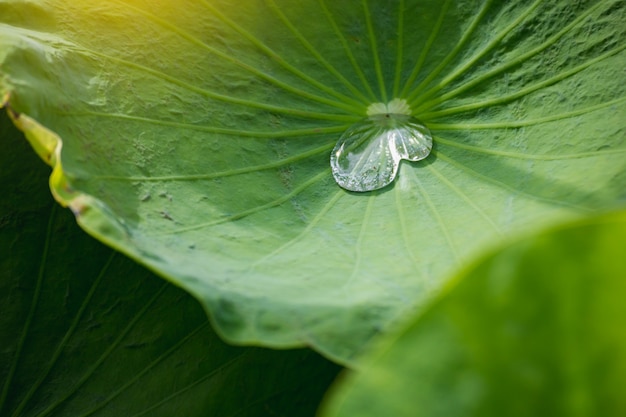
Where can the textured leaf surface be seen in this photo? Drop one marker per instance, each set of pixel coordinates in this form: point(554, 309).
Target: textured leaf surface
point(196, 139)
point(536, 329)
point(87, 332)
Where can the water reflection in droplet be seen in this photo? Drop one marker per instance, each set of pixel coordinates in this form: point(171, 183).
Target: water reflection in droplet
point(368, 154)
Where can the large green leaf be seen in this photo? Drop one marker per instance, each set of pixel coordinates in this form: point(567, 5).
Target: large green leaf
point(87, 332)
point(536, 329)
point(196, 139)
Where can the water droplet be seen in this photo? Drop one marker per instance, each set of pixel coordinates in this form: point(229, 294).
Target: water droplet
point(368, 154)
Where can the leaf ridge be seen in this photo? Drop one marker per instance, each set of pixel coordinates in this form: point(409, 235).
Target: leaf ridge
point(400, 49)
point(147, 369)
point(528, 156)
point(104, 355)
point(32, 309)
point(521, 58)
point(515, 191)
point(404, 227)
point(251, 69)
point(222, 174)
point(217, 96)
point(315, 53)
point(354, 106)
point(193, 384)
point(316, 219)
point(374, 46)
point(213, 129)
point(359, 243)
point(347, 50)
point(464, 38)
point(522, 92)
point(465, 198)
point(528, 122)
point(471, 61)
point(245, 213)
point(417, 68)
point(68, 334)
point(440, 221)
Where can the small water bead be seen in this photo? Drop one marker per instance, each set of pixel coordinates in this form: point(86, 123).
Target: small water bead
point(368, 154)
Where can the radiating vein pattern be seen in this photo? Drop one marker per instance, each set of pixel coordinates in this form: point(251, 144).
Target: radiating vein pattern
point(203, 130)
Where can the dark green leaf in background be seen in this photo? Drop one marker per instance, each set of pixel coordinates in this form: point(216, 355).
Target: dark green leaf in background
point(86, 332)
point(536, 329)
point(196, 139)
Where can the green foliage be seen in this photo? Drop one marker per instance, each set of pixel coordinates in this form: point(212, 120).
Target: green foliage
point(87, 332)
point(196, 140)
point(194, 137)
point(535, 329)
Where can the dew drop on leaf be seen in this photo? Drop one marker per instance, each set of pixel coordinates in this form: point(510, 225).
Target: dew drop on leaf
point(368, 154)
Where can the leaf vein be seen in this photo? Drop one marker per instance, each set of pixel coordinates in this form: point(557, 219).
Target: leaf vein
point(31, 311)
point(318, 217)
point(464, 38)
point(104, 355)
point(521, 93)
point(417, 68)
point(222, 174)
point(516, 61)
point(315, 53)
point(513, 190)
point(192, 385)
point(374, 46)
point(245, 213)
point(358, 256)
point(440, 221)
point(348, 51)
point(68, 334)
point(147, 369)
point(465, 198)
point(528, 156)
point(467, 65)
point(345, 102)
point(524, 123)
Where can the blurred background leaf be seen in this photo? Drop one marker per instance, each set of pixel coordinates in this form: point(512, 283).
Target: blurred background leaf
point(535, 329)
